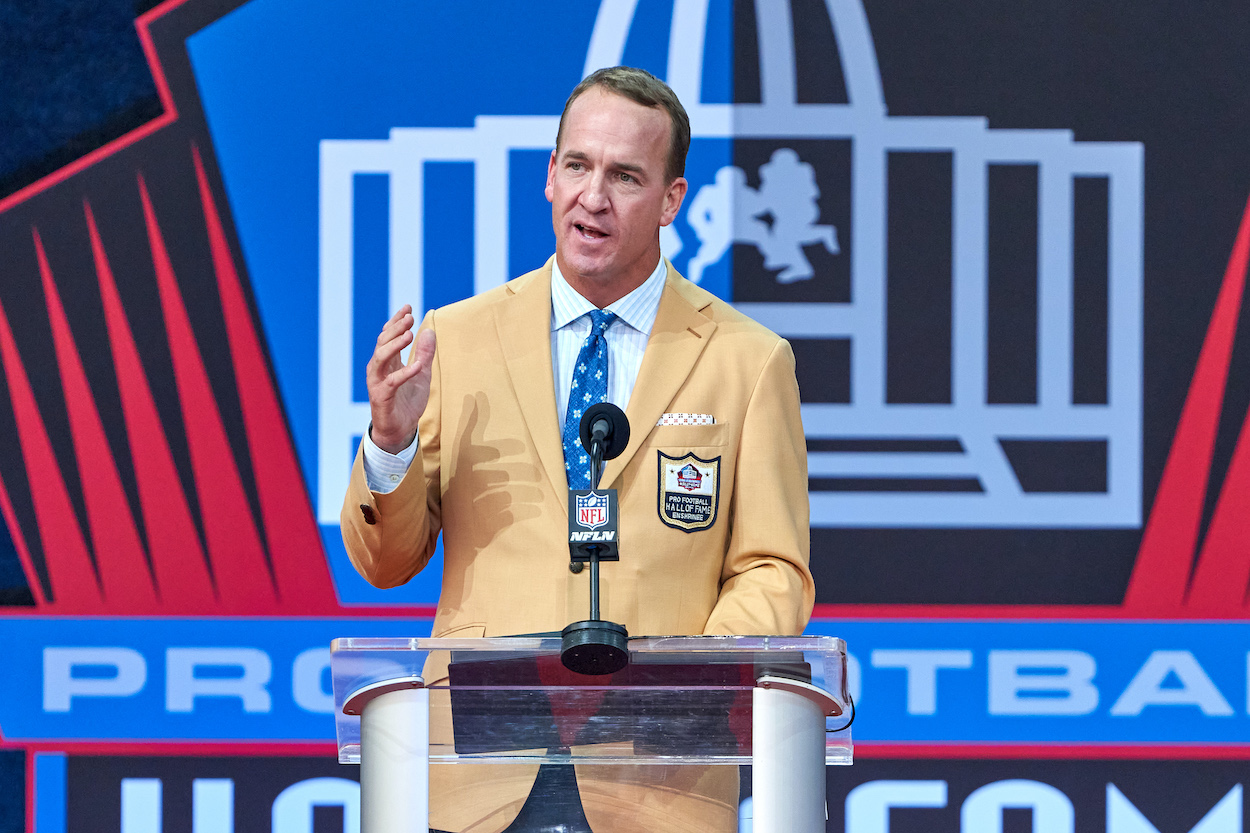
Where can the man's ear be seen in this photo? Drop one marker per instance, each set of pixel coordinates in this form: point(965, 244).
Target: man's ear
point(551, 177)
point(672, 199)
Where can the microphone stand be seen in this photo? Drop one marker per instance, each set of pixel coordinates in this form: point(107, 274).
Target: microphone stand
point(596, 473)
point(596, 646)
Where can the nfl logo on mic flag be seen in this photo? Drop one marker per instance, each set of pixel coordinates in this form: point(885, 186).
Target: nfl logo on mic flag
point(593, 523)
point(592, 510)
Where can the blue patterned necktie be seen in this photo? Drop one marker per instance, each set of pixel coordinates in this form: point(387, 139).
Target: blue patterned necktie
point(590, 386)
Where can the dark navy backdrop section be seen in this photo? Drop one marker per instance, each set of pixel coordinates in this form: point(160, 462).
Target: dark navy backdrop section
point(12, 791)
point(72, 75)
point(926, 796)
point(13, 587)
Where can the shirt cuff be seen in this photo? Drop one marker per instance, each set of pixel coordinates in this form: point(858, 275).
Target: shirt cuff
point(383, 470)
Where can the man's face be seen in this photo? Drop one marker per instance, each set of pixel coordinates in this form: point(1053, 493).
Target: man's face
point(610, 195)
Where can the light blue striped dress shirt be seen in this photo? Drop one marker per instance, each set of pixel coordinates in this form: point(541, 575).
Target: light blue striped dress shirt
point(570, 324)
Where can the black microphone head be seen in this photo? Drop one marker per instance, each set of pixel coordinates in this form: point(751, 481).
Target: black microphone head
point(615, 438)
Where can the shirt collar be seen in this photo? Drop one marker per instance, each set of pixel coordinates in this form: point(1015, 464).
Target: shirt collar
point(638, 309)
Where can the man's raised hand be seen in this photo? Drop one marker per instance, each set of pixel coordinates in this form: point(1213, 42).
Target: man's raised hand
point(398, 393)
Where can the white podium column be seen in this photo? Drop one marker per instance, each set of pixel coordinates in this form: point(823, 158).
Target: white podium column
point(395, 758)
point(788, 756)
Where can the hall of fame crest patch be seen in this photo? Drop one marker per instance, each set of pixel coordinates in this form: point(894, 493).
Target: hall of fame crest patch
point(689, 491)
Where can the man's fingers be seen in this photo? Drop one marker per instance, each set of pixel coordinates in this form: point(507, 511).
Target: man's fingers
point(386, 356)
point(400, 313)
point(396, 378)
point(398, 324)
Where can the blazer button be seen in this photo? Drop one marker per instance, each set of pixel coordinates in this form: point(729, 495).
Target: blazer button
point(576, 566)
point(370, 516)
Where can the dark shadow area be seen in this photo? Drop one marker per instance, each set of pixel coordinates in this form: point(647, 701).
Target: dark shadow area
point(14, 589)
point(73, 76)
point(12, 791)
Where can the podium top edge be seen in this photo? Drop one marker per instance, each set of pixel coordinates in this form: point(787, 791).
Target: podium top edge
point(638, 645)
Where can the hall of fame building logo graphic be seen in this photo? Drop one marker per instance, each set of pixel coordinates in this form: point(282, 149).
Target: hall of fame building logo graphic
point(875, 439)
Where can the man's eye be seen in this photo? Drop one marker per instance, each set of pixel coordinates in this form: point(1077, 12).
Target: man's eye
point(627, 178)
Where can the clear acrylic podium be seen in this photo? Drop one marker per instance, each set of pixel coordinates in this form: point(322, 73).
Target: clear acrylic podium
point(777, 703)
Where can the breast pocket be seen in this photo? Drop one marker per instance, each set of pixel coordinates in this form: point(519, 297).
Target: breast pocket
point(689, 436)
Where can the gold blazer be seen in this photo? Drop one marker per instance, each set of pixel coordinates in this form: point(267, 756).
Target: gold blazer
point(493, 482)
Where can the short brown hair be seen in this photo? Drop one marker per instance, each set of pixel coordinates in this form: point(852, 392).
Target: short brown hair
point(643, 88)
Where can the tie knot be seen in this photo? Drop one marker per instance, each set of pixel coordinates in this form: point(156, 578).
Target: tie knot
point(600, 321)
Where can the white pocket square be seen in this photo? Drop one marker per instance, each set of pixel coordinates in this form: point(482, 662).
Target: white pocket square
point(687, 419)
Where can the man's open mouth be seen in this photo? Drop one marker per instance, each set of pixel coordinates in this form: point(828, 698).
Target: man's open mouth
point(587, 231)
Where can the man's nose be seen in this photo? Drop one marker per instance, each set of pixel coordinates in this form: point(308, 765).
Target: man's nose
point(594, 196)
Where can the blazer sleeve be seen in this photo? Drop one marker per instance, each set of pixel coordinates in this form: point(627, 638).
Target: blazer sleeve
point(391, 537)
point(766, 584)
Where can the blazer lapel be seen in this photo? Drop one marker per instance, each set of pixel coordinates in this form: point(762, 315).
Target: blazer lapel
point(523, 321)
point(677, 340)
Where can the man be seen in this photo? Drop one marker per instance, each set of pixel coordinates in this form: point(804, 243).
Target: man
point(484, 418)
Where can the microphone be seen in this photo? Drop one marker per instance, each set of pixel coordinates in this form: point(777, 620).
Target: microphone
point(604, 433)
